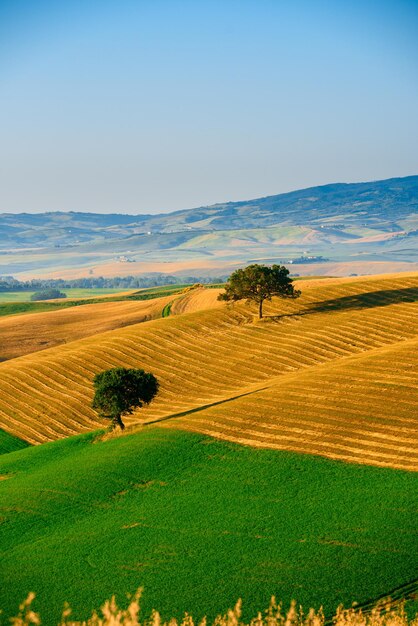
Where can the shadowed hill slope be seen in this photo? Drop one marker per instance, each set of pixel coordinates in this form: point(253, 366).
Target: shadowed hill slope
point(215, 355)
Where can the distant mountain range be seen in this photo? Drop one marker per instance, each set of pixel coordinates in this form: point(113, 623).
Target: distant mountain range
point(374, 222)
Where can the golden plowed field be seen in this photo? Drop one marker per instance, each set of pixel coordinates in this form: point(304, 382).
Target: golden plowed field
point(333, 373)
point(358, 409)
point(29, 332)
point(196, 300)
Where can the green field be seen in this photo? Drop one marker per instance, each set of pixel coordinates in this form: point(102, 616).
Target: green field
point(198, 523)
point(25, 306)
point(24, 296)
point(166, 310)
point(9, 443)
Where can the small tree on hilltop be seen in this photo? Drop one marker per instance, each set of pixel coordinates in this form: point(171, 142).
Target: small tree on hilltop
point(119, 391)
point(256, 283)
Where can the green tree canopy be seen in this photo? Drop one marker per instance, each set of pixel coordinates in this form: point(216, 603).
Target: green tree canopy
point(118, 391)
point(256, 283)
point(47, 294)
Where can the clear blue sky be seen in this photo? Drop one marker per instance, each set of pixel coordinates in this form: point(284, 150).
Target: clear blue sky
point(155, 105)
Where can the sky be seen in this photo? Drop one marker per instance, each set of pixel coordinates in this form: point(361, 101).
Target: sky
point(149, 106)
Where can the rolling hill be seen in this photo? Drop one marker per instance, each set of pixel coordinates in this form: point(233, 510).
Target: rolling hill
point(199, 522)
point(351, 228)
point(382, 203)
point(380, 429)
point(280, 456)
point(217, 364)
point(30, 332)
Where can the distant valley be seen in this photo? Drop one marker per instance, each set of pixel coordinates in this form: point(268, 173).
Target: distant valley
point(338, 229)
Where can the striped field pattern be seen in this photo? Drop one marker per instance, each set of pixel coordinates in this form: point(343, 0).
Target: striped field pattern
point(30, 332)
point(333, 373)
point(356, 410)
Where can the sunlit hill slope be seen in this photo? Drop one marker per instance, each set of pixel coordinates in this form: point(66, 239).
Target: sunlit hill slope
point(333, 373)
point(30, 332)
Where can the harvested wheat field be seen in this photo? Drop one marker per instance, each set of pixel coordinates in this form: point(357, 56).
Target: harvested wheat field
point(30, 332)
point(356, 410)
point(196, 300)
point(334, 374)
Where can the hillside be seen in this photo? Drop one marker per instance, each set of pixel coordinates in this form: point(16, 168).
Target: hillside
point(9, 443)
point(351, 228)
point(197, 521)
point(383, 203)
point(30, 332)
point(216, 364)
point(279, 457)
point(359, 410)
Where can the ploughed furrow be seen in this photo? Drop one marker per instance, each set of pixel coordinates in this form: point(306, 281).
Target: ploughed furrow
point(30, 332)
point(332, 451)
point(340, 410)
point(195, 300)
point(203, 357)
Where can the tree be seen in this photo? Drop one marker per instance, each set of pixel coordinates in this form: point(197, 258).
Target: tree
point(47, 294)
point(257, 283)
point(119, 391)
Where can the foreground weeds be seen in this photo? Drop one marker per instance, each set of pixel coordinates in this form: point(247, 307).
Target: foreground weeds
point(112, 615)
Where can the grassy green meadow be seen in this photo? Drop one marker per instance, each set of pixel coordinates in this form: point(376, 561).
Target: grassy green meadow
point(198, 523)
point(8, 306)
point(9, 443)
point(24, 296)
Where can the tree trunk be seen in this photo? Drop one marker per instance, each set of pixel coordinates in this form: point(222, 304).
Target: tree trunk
point(260, 309)
point(117, 421)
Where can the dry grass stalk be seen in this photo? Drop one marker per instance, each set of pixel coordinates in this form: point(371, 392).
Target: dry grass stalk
point(112, 615)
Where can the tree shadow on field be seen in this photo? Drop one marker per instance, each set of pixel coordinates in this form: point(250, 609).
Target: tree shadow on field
point(368, 300)
point(203, 407)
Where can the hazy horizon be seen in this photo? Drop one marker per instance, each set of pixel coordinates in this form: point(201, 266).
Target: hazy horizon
point(153, 107)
